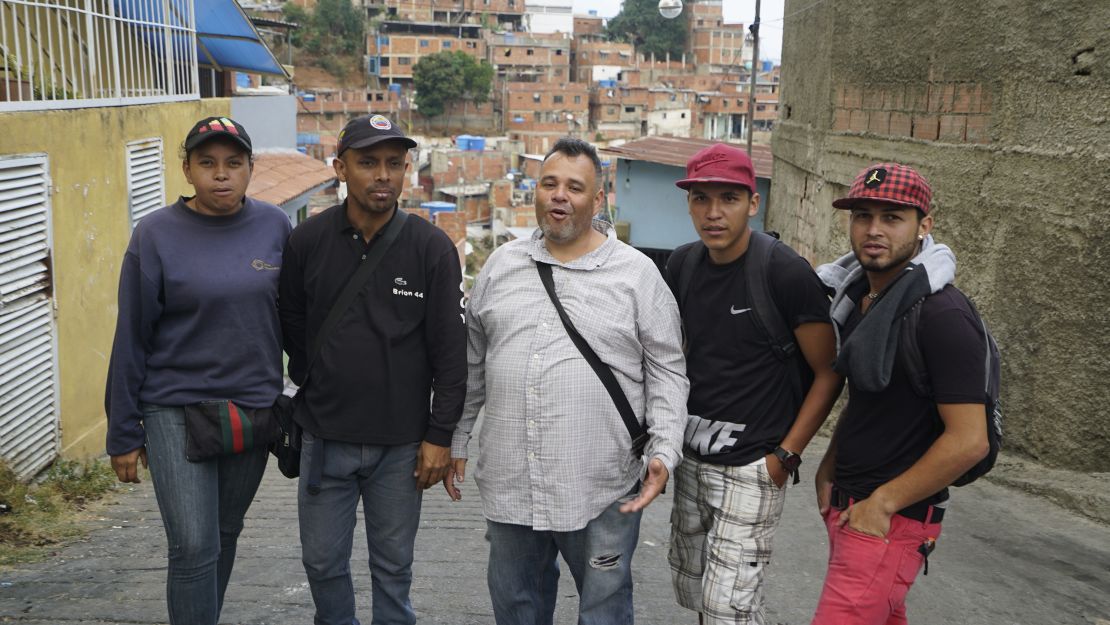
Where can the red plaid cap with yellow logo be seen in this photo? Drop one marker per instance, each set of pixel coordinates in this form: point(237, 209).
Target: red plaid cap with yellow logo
point(890, 183)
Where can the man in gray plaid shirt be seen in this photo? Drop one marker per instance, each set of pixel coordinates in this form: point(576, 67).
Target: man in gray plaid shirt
point(556, 470)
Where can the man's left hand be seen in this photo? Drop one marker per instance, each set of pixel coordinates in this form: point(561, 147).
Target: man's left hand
point(656, 480)
point(866, 517)
point(432, 462)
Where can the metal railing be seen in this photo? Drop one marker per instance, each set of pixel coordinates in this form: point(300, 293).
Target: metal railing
point(86, 53)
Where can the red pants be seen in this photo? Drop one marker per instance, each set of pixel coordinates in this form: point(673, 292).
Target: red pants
point(868, 577)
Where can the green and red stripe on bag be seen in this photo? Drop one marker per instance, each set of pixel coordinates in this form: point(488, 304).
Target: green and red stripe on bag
point(222, 428)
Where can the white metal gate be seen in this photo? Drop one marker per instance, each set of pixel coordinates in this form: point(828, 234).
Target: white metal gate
point(29, 430)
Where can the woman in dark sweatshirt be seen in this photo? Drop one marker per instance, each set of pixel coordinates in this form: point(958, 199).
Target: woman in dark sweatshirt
point(198, 322)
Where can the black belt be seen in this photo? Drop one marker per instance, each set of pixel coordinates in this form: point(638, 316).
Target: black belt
point(917, 512)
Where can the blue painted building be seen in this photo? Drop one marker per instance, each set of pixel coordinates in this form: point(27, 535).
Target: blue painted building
point(647, 199)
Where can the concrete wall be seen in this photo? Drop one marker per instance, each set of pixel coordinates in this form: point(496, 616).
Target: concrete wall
point(91, 227)
point(1004, 106)
point(270, 120)
point(656, 209)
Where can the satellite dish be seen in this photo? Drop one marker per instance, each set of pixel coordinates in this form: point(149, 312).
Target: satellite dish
point(670, 9)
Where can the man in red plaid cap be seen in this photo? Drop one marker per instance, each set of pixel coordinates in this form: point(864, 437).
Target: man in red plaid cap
point(759, 349)
point(882, 487)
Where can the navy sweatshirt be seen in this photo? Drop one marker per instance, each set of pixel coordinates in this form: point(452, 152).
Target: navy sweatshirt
point(198, 315)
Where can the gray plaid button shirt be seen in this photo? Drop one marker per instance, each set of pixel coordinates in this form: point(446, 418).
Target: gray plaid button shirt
point(553, 452)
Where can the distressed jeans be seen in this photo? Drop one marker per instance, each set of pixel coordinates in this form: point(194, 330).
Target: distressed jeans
point(202, 506)
point(523, 573)
point(382, 477)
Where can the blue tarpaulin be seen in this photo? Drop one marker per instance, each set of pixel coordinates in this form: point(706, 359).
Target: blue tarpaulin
point(226, 38)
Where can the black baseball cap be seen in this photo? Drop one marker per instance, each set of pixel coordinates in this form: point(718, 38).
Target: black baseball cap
point(212, 127)
point(368, 130)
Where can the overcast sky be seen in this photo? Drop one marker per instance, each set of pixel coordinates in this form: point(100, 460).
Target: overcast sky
point(770, 31)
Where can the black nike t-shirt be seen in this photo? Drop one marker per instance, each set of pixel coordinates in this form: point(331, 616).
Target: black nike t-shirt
point(741, 403)
point(882, 434)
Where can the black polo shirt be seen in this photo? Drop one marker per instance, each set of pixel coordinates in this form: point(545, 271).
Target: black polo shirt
point(403, 337)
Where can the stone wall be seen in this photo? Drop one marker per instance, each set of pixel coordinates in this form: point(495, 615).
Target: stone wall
point(1004, 106)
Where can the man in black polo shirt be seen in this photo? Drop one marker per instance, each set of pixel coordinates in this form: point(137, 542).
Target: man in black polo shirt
point(751, 412)
point(882, 486)
point(373, 428)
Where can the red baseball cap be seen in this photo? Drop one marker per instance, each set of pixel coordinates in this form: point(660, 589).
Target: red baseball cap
point(889, 183)
point(719, 163)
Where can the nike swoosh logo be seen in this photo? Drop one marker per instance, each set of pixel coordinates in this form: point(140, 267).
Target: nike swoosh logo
point(732, 309)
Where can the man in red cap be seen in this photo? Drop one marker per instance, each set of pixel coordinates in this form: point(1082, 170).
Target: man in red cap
point(759, 348)
point(882, 485)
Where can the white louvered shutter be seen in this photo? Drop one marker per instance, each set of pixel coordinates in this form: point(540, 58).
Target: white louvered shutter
point(146, 181)
point(28, 393)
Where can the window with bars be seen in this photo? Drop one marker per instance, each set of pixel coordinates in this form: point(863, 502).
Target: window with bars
point(84, 53)
point(146, 180)
point(28, 415)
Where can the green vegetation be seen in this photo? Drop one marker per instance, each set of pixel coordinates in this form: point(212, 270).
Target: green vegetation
point(443, 78)
point(35, 516)
point(333, 34)
point(640, 23)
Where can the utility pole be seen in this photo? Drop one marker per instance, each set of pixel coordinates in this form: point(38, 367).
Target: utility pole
point(754, 28)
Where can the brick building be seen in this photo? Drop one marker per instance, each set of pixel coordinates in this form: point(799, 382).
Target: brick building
point(619, 112)
point(714, 45)
point(537, 114)
point(588, 26)
point(529, 58)
point(598, 60)
point(396, 47)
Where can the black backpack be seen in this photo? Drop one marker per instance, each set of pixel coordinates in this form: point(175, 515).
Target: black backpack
point(914, 363)
point(767, 316)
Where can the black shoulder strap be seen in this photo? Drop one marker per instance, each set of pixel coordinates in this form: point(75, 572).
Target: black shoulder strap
point(356, 283)
point(637, 431)
point(767, 317)
point(689, 264)
point(913, 359)
point(909, 349)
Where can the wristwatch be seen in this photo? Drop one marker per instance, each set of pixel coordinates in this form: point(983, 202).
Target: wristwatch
point(790, 461)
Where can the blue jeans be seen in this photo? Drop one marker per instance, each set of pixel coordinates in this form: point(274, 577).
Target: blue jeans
point(381, 475)
point(202, 506)
point(523, 573)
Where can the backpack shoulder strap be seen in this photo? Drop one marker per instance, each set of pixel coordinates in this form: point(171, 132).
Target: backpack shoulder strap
point(913, 360)
point(909, 352)
point(767, 317)
point(680, 270)
point(355, 284)
point(992, 359)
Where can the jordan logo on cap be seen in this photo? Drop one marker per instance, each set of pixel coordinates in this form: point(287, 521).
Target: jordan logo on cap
point(875, 178)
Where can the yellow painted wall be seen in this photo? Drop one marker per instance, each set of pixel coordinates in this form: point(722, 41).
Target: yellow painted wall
point(91, 227)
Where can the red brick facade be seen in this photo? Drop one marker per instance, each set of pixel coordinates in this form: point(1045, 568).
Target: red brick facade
point(936, 111)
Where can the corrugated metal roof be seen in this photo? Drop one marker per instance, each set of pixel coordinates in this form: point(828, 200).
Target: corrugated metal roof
point(677, 150)
point(279, 177)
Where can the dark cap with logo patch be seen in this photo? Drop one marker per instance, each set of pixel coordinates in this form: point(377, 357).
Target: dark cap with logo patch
point(889, 183)
point(368, 130)
point(719, 163)
point(211, 127)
